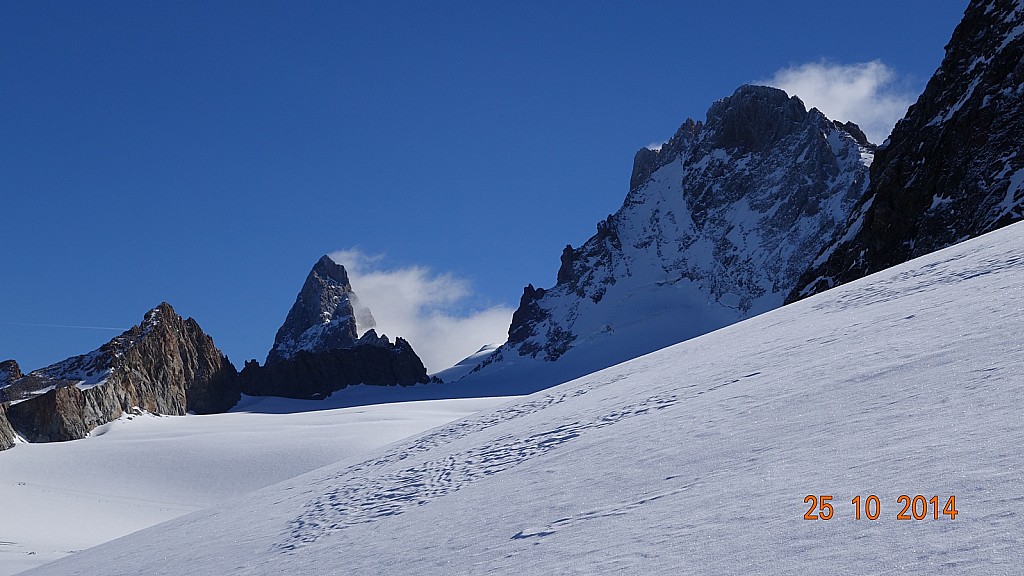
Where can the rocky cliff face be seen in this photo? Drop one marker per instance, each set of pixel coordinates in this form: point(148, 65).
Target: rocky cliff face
point(324, 316)
point(717, 226)
point(318, 350)
point(166, 365)
point(953, 168)
point(6, 430)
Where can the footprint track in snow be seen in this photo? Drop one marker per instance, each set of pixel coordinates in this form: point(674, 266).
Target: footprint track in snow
point(462, 428)
point(354, 497)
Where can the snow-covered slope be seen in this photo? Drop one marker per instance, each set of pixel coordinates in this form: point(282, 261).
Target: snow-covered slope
point(138, 471)
point(718, 225)
point(695, 459)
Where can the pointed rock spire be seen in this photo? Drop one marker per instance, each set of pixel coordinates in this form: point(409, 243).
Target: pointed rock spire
point(324, 316)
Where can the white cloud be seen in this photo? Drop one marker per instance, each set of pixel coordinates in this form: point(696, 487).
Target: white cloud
point(420, 305)
point(869, 94)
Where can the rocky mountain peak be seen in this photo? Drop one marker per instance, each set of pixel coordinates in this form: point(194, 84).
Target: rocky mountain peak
point(326, 314)
point(156, 315)
point(9, 372)
point(164, 365)
point(718, 224)
point(754, 118)
point(855, 131)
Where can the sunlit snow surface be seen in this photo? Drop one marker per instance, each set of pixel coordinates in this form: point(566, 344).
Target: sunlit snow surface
point(692, 460)
point(141, 470)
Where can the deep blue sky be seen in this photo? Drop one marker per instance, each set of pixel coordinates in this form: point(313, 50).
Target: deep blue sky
point(207, 154)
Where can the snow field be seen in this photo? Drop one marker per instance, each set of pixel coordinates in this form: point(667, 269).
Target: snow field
point(135, 472)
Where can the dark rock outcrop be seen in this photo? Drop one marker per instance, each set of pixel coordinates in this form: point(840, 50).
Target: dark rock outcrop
point(953, 167)
point(166, 365)
point(324, 315)
point(9, 372)
point(647, 161)
point(529, 313)
point(312, 375)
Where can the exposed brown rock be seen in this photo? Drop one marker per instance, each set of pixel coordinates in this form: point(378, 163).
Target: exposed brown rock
point(166, 365)
point(6, 430)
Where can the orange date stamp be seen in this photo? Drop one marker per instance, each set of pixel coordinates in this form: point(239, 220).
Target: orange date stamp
point(917, 507)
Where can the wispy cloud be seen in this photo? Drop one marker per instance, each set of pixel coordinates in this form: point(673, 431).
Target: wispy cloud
point(421, 306)
point(870, 94)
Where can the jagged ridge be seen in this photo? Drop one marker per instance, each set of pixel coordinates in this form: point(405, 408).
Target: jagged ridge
point(952, 168)
point(374, 360)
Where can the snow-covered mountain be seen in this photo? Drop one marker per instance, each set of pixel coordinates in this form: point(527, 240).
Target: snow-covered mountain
point(165, 365)
point(698, 458)
point(718, 225)
point(319, 350)
point(953, 168)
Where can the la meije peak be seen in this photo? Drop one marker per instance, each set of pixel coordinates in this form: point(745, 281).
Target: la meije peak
point(717, 226)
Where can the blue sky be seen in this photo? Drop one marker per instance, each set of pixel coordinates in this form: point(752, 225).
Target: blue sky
point(207, 154)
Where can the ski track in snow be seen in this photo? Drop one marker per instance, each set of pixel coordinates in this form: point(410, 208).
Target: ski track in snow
point(360, 496)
